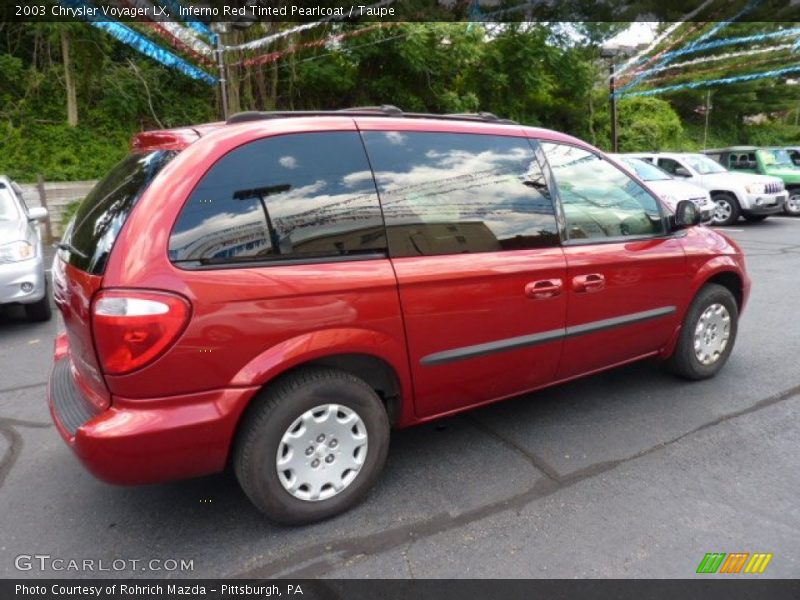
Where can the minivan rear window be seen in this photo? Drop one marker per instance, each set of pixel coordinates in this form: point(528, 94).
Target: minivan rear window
point(90, 236)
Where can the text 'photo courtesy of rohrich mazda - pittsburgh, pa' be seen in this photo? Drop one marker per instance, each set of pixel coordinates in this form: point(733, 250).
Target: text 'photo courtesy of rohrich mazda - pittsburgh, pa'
point(467, 295)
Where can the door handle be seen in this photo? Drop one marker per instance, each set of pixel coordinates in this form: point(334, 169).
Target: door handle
point(544, 288)
point(586, 284)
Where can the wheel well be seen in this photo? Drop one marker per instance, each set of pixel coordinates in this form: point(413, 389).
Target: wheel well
point(724, 192)
point(731, 281)
point(376, 372)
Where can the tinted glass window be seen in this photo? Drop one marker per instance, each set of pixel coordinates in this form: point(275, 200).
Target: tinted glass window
point(453, 193)
point(296, 196)
point(668, 164)
point(599, 200)
point(703, 165)
point(645, 170)
point(102, 213)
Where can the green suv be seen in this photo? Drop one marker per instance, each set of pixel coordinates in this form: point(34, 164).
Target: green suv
point(766, 161)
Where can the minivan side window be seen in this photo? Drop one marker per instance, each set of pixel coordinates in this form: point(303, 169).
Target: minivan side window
point(600, 200)
point(454, 193)
point(297, 196)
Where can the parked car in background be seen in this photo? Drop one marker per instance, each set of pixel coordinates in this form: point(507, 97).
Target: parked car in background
point(668, 188)
point(794, 154)
point(776, 162)
point(276, 292)
point(22, 273)
point(750, 195)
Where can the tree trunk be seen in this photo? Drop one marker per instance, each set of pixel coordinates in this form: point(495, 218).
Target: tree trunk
point(69, 80)
point(261, 83)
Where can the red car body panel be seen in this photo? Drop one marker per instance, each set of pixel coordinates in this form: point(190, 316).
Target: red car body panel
point(177, 416)
point(73, 291)
point(463, 300)
point(639, 276)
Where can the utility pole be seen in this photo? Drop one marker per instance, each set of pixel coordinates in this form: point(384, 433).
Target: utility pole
point(223, 80)
point(610, 52)
point(708, 112)
point(219, 27)
point(613, 101)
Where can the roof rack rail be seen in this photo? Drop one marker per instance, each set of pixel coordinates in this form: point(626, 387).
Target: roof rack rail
point(482, 116)
point(387, 109)
point(384, 110)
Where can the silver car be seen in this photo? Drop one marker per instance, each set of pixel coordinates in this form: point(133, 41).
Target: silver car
point(22, 274)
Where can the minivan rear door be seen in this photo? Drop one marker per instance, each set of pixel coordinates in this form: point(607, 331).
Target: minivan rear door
point(83, 253)
point(474, 243)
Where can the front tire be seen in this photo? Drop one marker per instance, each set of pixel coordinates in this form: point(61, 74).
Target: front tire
point(792, 206)
point(727, 210)
point(312, 445)
point(707, 335)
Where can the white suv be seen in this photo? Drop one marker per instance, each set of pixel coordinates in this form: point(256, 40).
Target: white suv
point(668, 187)
point(752, 196)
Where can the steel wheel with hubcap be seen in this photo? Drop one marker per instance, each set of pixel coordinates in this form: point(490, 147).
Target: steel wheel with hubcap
point(712, 333)
point(727, 210)
point(311, 445)
point(707, 334)
point(322, 452)
point(792, 206)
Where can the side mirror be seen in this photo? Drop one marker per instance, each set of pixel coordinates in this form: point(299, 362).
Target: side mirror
point(37, 213)
point(682, 172)
point(686, 215)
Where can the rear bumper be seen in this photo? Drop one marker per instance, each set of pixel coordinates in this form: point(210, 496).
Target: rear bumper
point(138, 441)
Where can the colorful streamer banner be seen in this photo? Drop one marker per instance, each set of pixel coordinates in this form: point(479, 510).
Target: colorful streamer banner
point(177, 43)
point(718, 57)
point(273, 56)
point(174, 8)
point(664, 34)
point(691, 46)
point(691, 85)
point(135, 40)
point(261, 42)
point(187, 37)
point(695, 73)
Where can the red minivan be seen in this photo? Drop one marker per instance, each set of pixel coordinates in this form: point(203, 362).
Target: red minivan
point(277, 292)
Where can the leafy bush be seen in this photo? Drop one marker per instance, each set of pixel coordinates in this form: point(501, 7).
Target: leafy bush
point(60, 152)
point(69, 211)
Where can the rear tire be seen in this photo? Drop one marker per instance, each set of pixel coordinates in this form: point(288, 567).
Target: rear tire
point(727, 211)
point(291, 439)
point(699, 353)
point(41, 310)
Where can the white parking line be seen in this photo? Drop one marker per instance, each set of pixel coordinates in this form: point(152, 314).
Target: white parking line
point(726, 229)
point(787, 218)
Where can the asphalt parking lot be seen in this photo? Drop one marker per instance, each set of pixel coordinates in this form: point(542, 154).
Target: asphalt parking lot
point(630, 473)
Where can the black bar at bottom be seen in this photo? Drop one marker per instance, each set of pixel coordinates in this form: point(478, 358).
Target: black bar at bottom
point(711, 587)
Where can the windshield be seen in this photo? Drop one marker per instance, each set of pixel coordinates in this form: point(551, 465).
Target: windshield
point(8, 207)
point(703, 164)
point(645, 171)
point(103, 212)
point(775, 157)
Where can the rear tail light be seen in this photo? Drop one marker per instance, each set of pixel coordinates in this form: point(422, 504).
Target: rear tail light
point(132, 328)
